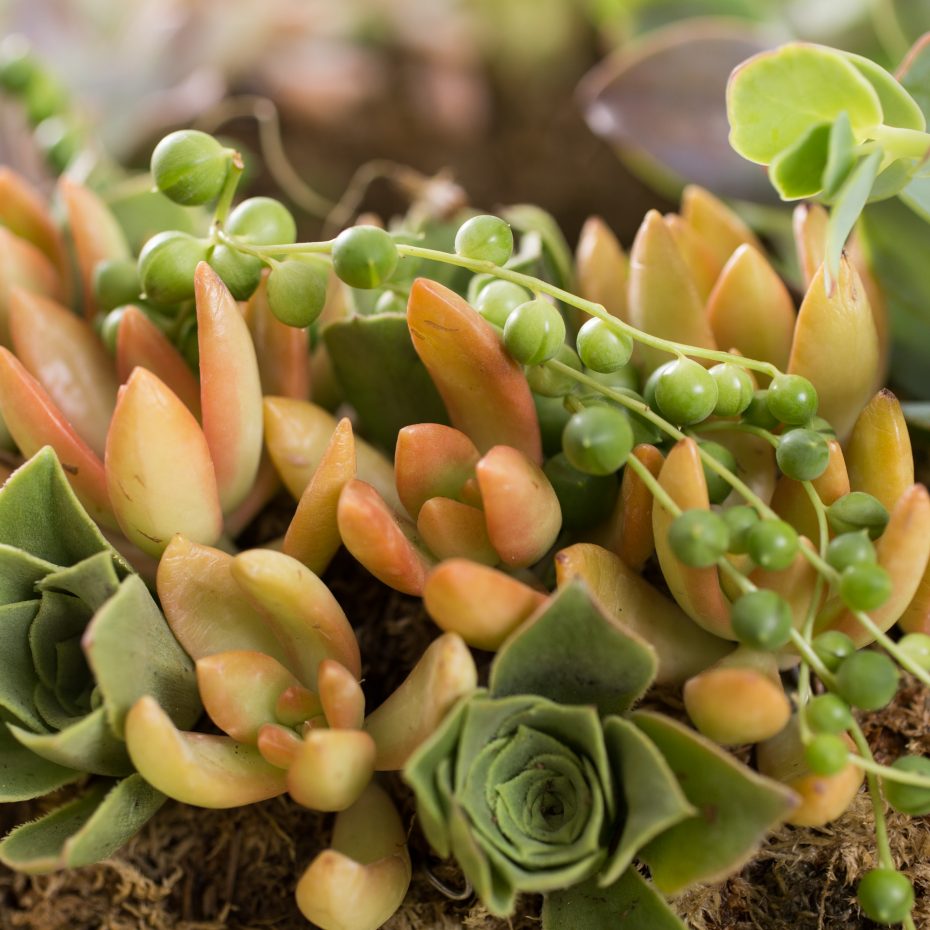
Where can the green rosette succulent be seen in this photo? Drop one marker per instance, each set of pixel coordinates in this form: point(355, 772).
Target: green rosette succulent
point(545, 783)
point(80, 641)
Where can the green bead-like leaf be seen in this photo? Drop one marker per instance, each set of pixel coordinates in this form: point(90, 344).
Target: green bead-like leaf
point(849, 203)
point(736, 808)
point(382, 375)
point(24, 775)
point(899, 108)
point(83, 831)
point(774, 98)
point(631, 903)
point(572, 653)
point(797, 171)
point(654, 799)
point(132, 653)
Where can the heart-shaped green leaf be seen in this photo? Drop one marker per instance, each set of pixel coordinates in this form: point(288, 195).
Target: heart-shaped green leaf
point(899, 108)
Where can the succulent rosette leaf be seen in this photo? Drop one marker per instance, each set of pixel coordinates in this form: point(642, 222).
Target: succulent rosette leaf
point(81, 639)
point(540, 784)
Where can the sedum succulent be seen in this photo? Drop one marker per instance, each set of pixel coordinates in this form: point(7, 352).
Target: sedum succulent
point(82, 641)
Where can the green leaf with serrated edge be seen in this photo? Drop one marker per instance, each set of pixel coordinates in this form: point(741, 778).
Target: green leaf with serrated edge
point(899, 108)
point(24, 775)
point(775, 97)
point(630, 903)
point(654, 799)
point(18, 679)
point(570, 652)
point(736, 808)
point(796, 171)
point(849, 203)
point(122, 813)
point(87, 745)
point(840, 155)
point(429, 773)
point(60, 616)
point(94, 580)
point(132, 652)
point(914, 74)
point(40, 514)
point(19, 572)
point(528, 218)
point(382, 375)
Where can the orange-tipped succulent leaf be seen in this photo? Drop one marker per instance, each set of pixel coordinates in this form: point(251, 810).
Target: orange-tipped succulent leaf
point(34, 421)
point(298, 433)
point(283, 351)
point(141, 344)
point(68, 359)
point(696, 254)
point(445, 673)
point(664, 300)
point(602, 270)
point(750, 309)
point(240, 691)
point(341, 697)
point(483, 388)
point(832, 331)
point(230, 389)
point(159, 471)
point(331, 769)
point(197, 768)
point(300, 609)
point(432, 460)
point(452, 529)
point(362, 880)
point(697, 590)
point(313, 534)
point(96, 234)
point(482, 605)
point(385, 542)
point(878, 454)
point(809, 225)
point(715, 224)
point(278, 744)
point(24, 266)
point(520, 506)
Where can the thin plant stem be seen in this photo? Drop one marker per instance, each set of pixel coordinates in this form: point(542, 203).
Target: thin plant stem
point(878, 802)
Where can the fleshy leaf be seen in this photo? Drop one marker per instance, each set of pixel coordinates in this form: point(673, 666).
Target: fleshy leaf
point(716, 225)
point(331, 769)
point(898, 107)
point(341, 696)
point(483, 388)
point(683, 648)
point(231, 406)
point(446, 671)
point(22, 268)
point(572, 653)
point(196, 768)
point(736, 808)
point(698, 257)
point(601, 268)
point(382, 375)
point(797, 171)
point(631, 899)
point(300, 609)
point(131, 651)
point(94, 580)
point(17, 686)
point(23, 774)
point(452, 529)
point(151, 435)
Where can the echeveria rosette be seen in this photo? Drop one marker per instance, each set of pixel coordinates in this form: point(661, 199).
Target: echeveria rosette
point(80, 640)
point(543, 784)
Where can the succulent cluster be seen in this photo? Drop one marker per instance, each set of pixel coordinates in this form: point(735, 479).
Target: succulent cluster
point(610, 470)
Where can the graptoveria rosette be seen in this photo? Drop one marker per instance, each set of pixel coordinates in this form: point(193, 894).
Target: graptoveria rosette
point(80, 641)
point(544, 784)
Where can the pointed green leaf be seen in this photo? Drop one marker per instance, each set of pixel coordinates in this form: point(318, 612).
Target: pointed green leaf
point(60, 617)
point(736, 808)
point(849, 203)
point(382, 375)
point(40, 514)
point(497, 894)
point(892, 180)
point(87, 745)
point(132, 653)
point(94, 580)
point(631, 903)
point(572, 653)
point(775, 97)
point(654, 799)
point(899, 108)
point(18, 681)
point(797, 171)
point(24, 775)
point(840, 155)
point(83, 831)
point(19, 572)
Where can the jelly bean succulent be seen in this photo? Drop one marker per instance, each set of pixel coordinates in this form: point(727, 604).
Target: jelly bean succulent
point(82, 641)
